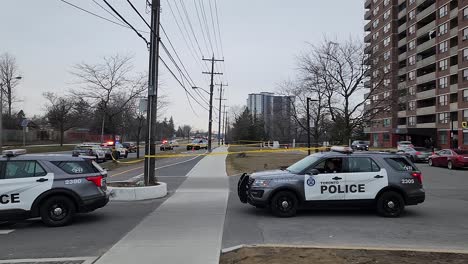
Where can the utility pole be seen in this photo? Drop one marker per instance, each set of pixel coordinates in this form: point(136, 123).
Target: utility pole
point(224, 124)
point(150, 148)
point(308, 122)
point(219, 118)
point(210, 117)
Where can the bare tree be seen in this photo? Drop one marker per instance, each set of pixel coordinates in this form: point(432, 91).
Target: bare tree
point(8, 73)
point(186, 129)
point(110, 87)
point(60, 113)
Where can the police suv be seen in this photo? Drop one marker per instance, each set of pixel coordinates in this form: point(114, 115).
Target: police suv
point(53, 187)
point(388, 182)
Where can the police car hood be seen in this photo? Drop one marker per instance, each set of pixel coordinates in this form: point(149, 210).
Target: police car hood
point(271, 174)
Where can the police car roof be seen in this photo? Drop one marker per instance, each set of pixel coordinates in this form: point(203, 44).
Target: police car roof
point(48, 157)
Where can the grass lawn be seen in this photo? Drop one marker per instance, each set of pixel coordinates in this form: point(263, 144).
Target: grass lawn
point(257, 161)
point(42, 149)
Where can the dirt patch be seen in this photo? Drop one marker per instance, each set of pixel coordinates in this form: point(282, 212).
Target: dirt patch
point(277, 255)
point(244, 161)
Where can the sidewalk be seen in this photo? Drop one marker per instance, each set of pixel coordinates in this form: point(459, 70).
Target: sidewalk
point(187, 228)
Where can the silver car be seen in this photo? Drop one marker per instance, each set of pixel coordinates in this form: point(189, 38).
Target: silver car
point(416, 154)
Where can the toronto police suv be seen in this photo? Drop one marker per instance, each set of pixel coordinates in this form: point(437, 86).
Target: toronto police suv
point(388, 182)
point(53, 187)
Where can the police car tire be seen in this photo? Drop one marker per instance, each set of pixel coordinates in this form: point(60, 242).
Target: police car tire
point(50, 203)
point(382, 204)
point(276, 204)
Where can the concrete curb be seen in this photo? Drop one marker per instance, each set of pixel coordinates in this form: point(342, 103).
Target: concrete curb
point(234, 248)
point(138, 193)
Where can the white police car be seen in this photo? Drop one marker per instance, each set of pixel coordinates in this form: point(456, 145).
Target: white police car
point(388, 182)
point(53, 187)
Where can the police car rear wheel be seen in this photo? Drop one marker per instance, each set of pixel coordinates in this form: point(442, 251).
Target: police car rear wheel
point(284, 204)
point(57, 211)
point(390, 204)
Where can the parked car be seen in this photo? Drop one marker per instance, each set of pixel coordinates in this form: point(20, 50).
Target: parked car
point(130, 146)
point(90, 150)
point(360, 145)
point(404, 144)
point(416, 154)
point(165, 146)
point(198, 144)
point(450, 158)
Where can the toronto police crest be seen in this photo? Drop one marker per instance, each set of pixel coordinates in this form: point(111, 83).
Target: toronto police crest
point(311, 181)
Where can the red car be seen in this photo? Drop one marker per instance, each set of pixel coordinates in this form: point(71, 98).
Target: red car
point(450, 158)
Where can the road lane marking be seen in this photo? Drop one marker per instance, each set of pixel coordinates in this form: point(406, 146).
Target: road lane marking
point(123, 172)
point(6, 231)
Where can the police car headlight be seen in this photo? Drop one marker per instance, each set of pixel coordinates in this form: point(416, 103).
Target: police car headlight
point(261, 183)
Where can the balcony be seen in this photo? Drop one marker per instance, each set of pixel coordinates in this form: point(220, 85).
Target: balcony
point(402, 71)
point(453, 107)
point(401, 2)
point(368, 50)
point(367, 84)
point(402, 126)
point(453, 88)
point(402, 85)
point(367, 27)
point(426, 12)
point(454, 32)
point(402, 56)
point(453, 69)
point(454, 13)
point(402, 42)
point(426, 45)
point(426, 110)
point(454, 51)
point(402, 28)
point(367, 15)
point(426, 125)
point(425, 29)
point(401, 113)
point(426, 78)
point(402, 13)
point(426, 61)
point(426, 94)
point(367, 38)
point(367, 4)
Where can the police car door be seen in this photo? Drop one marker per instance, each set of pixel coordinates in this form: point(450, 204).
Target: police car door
point(327, 184)
point(364, 178)
point(21, 183)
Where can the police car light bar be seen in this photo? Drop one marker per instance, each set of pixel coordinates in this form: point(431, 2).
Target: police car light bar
point(345, 150)
point(13, 152)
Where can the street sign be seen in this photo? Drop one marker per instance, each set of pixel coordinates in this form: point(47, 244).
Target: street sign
point(143, 105)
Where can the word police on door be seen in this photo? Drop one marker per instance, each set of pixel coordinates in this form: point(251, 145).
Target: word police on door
point(9, 198)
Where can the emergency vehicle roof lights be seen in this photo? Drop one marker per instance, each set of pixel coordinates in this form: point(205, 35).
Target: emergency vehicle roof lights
point(340, 149)
point(13, 152)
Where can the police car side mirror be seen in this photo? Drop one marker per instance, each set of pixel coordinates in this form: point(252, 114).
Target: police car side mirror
point(314, 172)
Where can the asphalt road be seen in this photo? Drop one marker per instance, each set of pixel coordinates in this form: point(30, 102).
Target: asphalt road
point(441, 222)
point(91, 234)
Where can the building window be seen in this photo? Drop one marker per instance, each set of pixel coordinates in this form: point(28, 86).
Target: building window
point(375, 73)
point(386, 95)
point(443, 29)
point(375, 98)
point(443, 118)
point(412, 29)
point(443, 65)
point(443, 11)
point(412, 60)
point(465, 54)
point(465, 34)
point(387, 55)
point(387, 14)
point(411, 44)
point(443, 82)
point(375, 36)
point(465, 13)
point(465, 95)
point(465, 138)
point(412, 14)
point(375, 49)
point(386, 122)
point(412, 90)
point(443, 47)
point(386, 82)
point(412, 105)
point(386, 28)
point(375, 23)
point(375, 61)
point(386, 41)
point(412, 120)
point(465, 74)
point(411, 2)
point(412, 75)
point(376, 10)
point(386, 137)
point(443, 100)
point(386, 2)
point(465, 115)
point(387, 68)
point(443, 138)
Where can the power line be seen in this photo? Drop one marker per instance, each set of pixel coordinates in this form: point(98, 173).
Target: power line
point(202, 8)
point(105, 9)
point(201, 26)
point(136, 10)
point(190, 25)
point(219, 28)
point(214, 28)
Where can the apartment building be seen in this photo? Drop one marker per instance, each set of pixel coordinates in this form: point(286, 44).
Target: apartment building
point(423, 45)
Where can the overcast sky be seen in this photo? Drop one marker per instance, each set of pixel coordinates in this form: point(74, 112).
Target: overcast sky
point(260, 40)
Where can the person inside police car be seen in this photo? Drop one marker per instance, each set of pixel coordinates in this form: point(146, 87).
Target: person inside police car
point(330, 166)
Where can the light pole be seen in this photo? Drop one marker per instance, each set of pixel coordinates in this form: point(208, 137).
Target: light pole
point(1, 111)
point(308, 122)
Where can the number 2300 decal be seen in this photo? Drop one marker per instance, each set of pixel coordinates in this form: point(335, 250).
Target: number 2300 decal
point(407, 181)
point(75, 181)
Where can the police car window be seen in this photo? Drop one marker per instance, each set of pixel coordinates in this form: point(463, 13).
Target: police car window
point(400, 164)
point(23, 169)
point(303, 164)
point(362, 164)
point(330, 165)
point(76, 167)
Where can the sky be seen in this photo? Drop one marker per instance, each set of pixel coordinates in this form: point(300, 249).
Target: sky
point(259, 42)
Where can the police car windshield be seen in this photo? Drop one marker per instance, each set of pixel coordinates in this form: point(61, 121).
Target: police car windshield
point(303, 164)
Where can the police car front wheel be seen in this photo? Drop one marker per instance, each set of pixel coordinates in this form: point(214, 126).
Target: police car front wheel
point(57, 211)
point(390, 204)
point(284, 204)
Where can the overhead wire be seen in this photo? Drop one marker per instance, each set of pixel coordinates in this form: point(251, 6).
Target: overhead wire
point(214, 28)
